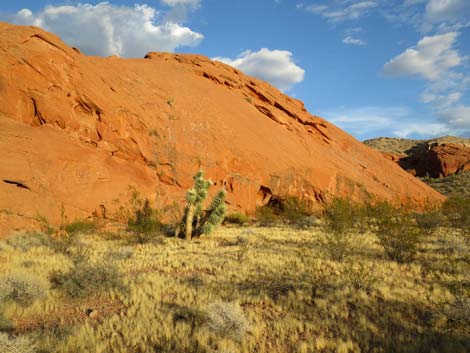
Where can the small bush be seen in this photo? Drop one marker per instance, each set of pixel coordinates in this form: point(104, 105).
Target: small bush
point(22, 288)
point(85, 279)
point(339, 227)
point(457, 211)
point(293, 210)
point(145, 224)
point(237, 218)
point(80, 226)
point(123, 253)
point(359, 276)
point(227, 319)
point(266, 216)
point(16, 344)
point(5, 324)
point(428, 222)
point(399, 236)
point(26, 241)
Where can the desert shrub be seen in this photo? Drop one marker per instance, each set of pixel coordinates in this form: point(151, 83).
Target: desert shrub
point(22, 288)
point(429, 221)
point(399, 236)
point(359, 276)
point(16, 344)
point(123, 253)
point(458, 314)
point(5, 324)
point(197, 221)
point(145, 224)
point(61, 242)
point(80, 226)
point(227, 319)
point(293, 210)
point(84, 279)
point(339, 226)
point(26, 241)
point(44, 224)
point(266, 216)
point(237, 218)
point(457, 211)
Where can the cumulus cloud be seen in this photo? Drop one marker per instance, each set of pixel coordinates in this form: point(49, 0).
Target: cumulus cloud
point(431, 58)
point(106, 29)
point(435, 60)
point(341, 11)
point(274, 66)
point(446, 10)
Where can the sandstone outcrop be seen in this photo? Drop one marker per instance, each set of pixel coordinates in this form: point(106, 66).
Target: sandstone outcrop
point(76, 131)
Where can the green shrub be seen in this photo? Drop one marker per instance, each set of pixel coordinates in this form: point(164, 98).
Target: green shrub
point(145, 224)
point(293, 210)
point(84, 279)
point(399, 236)
point(237, 218)
point(227, 319)
point(80, 226)
point(266, 216)
point(429, 221)
point(22, 288)
point(16, 344)
point(457, 211)
point(339, 227)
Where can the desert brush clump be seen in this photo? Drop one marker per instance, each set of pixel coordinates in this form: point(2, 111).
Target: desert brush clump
point(197, 221)
point(339, 228)
point(227, 319)
point(399, 236)
point(11, 344)
point(22, 288)
point(457, 211)
point(288, 210)
point(145, 224)
point(86, 278)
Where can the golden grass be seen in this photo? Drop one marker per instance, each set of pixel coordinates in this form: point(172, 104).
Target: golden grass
point(293, 296)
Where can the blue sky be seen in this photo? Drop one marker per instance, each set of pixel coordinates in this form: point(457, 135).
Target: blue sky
point(373, 67)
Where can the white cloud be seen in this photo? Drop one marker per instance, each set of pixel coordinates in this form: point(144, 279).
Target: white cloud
point(107, 29)
point(431, 58)
point(425, 130)
point(457, 117)
point(193, 3)
point(364, 122)
point(353, 41)
point(273, 66)
point(341, 11)
point(446, 10)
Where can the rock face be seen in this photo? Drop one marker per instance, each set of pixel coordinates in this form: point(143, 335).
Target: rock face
point(436, 158)
point(76, 131)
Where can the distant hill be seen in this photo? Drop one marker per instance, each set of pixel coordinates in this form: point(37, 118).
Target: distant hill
point(443, 163)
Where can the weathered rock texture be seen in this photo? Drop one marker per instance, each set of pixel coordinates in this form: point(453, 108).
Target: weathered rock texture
point(77, 130)
point(435, 158)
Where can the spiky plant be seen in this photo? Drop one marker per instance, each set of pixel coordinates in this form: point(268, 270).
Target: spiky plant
point(196, 221)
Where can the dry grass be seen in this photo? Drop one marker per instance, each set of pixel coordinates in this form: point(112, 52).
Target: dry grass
point(290, 296)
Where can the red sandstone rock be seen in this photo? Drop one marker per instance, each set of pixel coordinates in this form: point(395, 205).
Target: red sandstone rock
point(440, 160)
point(77, 130)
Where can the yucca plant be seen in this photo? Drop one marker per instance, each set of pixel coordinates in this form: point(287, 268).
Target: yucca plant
point(197, 221)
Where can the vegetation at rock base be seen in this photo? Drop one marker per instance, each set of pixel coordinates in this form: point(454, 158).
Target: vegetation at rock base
point(196, 220)
point(249, 288)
